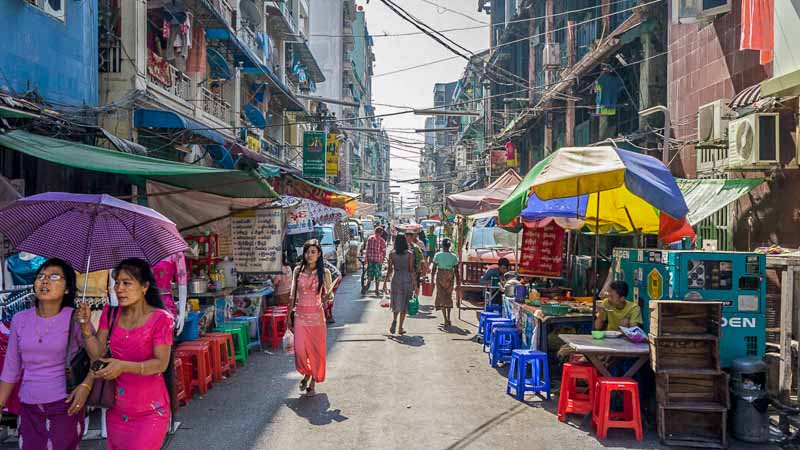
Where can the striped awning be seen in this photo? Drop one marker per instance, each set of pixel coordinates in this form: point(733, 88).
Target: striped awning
point(746, 97)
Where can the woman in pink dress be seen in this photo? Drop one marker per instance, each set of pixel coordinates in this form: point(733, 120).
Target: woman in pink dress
point(311, 290)
point(141, 340)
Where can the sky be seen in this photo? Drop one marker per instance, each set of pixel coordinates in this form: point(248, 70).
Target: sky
point(415, 87)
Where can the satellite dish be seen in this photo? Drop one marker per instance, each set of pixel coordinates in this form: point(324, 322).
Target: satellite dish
point(744, 140)
point(250, 12)
point(255, 116)
point(219, 66)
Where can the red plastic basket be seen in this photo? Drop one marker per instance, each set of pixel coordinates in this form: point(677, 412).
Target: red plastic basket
point(427, 288)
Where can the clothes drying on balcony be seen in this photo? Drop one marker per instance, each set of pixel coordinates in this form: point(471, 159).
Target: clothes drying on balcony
point(607, 89)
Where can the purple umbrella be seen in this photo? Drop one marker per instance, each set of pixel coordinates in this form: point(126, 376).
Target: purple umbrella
point(89, 231)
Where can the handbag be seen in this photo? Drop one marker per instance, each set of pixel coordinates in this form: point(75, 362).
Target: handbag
point(76, 368)
point(104, 392)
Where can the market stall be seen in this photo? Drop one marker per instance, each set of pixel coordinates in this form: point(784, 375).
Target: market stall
point(484, 199)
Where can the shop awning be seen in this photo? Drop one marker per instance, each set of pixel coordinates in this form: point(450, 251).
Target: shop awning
point(746, 97)
point(289, 183)
point(229, 183)
point(705, 197)
point(488, 198)
point(168, 120)
point(308, 60)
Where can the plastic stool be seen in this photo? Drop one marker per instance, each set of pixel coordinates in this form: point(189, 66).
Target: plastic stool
point(227, 352)
point(493, 308)
point(255, 331)
point(487, 328)
point(180, 387)
point(200, 356)
point(570, 401)
point(518, 379)
point(216, 356)
point(187, 368)
point(482, 316)
point(630, 417)
point(241, 338)
point(273, 326)
point(504, 341)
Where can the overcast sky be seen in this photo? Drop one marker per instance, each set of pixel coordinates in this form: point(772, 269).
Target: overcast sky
point(415, 87)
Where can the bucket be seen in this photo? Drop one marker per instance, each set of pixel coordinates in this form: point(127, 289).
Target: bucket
point(427, 288)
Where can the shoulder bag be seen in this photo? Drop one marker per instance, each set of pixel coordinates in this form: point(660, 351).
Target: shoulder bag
point(77, 367)
point(104, 391)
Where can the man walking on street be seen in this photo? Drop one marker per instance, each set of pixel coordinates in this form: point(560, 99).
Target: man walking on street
point(375, 253)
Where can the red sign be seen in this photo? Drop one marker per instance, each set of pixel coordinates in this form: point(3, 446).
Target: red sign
point(542, 251)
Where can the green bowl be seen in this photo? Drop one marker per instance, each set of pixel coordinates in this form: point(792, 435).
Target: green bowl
point(598, 334)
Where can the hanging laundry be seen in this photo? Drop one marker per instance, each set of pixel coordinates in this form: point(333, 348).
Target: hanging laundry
point(607, 89)
point(165, 29)
point(197, 61)
point(757, 28)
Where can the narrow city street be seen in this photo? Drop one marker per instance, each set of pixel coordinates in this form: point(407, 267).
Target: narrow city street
point(429, 390)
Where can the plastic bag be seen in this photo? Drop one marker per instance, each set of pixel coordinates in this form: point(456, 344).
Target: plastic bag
point(385, 302)
point(288, 342)
point(413, 306)
point(634, 334)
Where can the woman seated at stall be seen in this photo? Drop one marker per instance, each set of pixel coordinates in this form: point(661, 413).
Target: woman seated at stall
point(615, 312)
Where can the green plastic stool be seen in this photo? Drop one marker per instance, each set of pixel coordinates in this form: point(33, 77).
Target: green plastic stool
point(241, 338)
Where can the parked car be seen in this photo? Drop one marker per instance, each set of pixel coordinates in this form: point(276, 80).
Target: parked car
point(483, 248)
point(368, 228)
point(333, 250)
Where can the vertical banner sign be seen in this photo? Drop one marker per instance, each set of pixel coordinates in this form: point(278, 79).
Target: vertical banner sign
point(542, 251)
point(332, 156)
point(257, 240)
point(314, 154)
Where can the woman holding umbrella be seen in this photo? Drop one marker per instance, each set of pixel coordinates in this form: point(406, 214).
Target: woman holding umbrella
point(141, 340)
point(50, 417)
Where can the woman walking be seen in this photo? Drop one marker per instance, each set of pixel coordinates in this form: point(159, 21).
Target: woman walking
point(50, 417)
point(445, 272)
point(141, 340)
point(404, 281)
point(311, 290)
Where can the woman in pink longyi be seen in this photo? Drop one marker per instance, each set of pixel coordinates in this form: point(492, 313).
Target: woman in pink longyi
point(311, 290)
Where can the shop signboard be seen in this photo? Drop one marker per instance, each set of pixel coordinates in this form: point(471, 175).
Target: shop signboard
point(332, 156)
point(298, 220)
point(314, 154)
point(257, 238)
point(542, 251)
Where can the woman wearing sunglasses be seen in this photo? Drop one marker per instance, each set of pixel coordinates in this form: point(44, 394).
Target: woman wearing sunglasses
point(311, 291)
point(50, 417)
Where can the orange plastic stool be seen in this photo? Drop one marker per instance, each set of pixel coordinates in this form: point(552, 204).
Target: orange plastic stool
point(273, 325)
point(570, 400)
point(629, 418)
point(186, 369)
point(216, 356)
point(179, 384)
point(229, 355)
point(200, 356)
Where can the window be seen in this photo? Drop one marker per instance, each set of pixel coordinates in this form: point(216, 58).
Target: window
point(54, 8)
point(689, 11)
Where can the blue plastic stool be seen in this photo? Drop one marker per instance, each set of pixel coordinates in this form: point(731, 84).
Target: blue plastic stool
point(482, 316)
point(254, 330)
point(493, 308)
point(487, 328)
point(518, 379)
point(505, 340)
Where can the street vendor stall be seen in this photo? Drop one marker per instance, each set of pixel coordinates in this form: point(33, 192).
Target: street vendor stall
point(540, 328)
point(484, 199)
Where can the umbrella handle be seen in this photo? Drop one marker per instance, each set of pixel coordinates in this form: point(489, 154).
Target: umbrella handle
point(89, 245)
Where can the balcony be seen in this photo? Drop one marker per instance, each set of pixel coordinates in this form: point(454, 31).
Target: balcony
point(281, 17)
point(223, 9)
point(248, 38)
point(167, 77)
point(216, 106)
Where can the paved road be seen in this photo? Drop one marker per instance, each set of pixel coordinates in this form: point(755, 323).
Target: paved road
point(429, 390)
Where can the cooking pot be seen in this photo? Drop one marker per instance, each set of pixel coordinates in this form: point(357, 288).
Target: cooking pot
point(511, 287)
point(198, 286)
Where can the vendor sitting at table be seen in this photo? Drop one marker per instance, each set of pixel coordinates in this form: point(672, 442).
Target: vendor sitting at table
point(493, 277)
point(615, 311)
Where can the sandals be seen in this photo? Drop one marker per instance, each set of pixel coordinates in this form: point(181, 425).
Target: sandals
point(402, 331)
point(393, 327)
point(304, 384)
point(311, 391)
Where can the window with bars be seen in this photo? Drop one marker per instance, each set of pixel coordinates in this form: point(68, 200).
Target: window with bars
point(717, 227)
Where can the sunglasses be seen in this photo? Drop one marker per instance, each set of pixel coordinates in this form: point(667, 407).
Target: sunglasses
point(52, 277)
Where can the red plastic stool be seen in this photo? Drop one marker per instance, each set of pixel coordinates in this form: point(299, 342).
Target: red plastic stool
point(180, 387)
point(186, 373)
point(216, 356)
point(229, 355)
point(273, 326)
point(630, 417)
point(200, 356)
point(570, 400)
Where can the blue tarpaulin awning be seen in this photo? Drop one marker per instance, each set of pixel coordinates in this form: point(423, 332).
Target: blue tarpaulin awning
point(156, 118)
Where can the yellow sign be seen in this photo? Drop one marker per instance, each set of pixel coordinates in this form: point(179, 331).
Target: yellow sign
point(254, 144)
point(655, 284)
point(332, 156)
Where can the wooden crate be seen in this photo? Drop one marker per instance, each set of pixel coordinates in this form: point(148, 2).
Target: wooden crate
point(670, 317)
point(693, 427)
point(685, 354)
point(688, 389)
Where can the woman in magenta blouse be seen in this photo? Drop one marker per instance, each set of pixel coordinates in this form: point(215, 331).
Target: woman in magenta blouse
point(141, 340)
point(49, 417)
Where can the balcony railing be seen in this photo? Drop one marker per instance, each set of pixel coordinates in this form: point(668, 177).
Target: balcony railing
point(248, 37)
point(224, 9)
point(110, 58)
point(168, 77)
point(216, 106)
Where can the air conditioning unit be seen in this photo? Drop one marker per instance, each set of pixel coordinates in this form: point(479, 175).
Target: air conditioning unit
point(754, 141)
point(712, 121)
point(551, 56)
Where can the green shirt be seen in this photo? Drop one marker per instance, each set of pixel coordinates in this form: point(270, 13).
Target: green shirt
point(418, 255)
point(630, 311)
point(432, 244)
point(445, 260)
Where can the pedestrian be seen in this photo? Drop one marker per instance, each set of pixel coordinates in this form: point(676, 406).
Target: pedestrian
point(493, 282)
point(432, 244)
point(282, 284)
point(420, 267)
point(140, 362)
point(375, 253)
point(311, 290)
point(446, 273)
point(404, 282)
point(49, 416)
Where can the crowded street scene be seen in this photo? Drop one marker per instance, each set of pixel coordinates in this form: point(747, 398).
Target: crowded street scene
point(399, 224)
